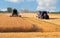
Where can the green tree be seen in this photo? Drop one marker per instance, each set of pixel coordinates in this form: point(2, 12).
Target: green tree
point(9, 9)
point(59, 11)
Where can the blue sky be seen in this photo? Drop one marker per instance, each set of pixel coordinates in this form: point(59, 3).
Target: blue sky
point(34, 5)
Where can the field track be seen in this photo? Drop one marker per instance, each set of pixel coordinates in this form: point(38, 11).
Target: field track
point(31, 35)
point(48, 28)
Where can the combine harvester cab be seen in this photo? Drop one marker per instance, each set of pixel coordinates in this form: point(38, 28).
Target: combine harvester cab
point(43, 15)
point(15, 13)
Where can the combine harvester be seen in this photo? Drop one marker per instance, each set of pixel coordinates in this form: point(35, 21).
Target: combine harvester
point(43, 15)
point(15, 13)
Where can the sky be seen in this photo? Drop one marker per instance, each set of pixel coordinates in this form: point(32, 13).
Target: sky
point(33, 5)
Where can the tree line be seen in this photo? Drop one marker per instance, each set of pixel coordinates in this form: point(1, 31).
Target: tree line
point(9, 10)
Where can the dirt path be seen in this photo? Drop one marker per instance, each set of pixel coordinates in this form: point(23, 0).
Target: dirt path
point(31, 35)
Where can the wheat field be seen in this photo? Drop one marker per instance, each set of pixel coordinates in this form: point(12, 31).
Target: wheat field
point(29, 22)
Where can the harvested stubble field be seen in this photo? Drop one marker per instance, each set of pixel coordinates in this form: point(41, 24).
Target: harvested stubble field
point(29, 22)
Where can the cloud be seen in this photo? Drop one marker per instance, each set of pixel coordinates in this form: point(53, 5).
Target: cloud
point(14, 1)
point(17, 1)
point(46, 5)
point(3, 9)
point(30, 0)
